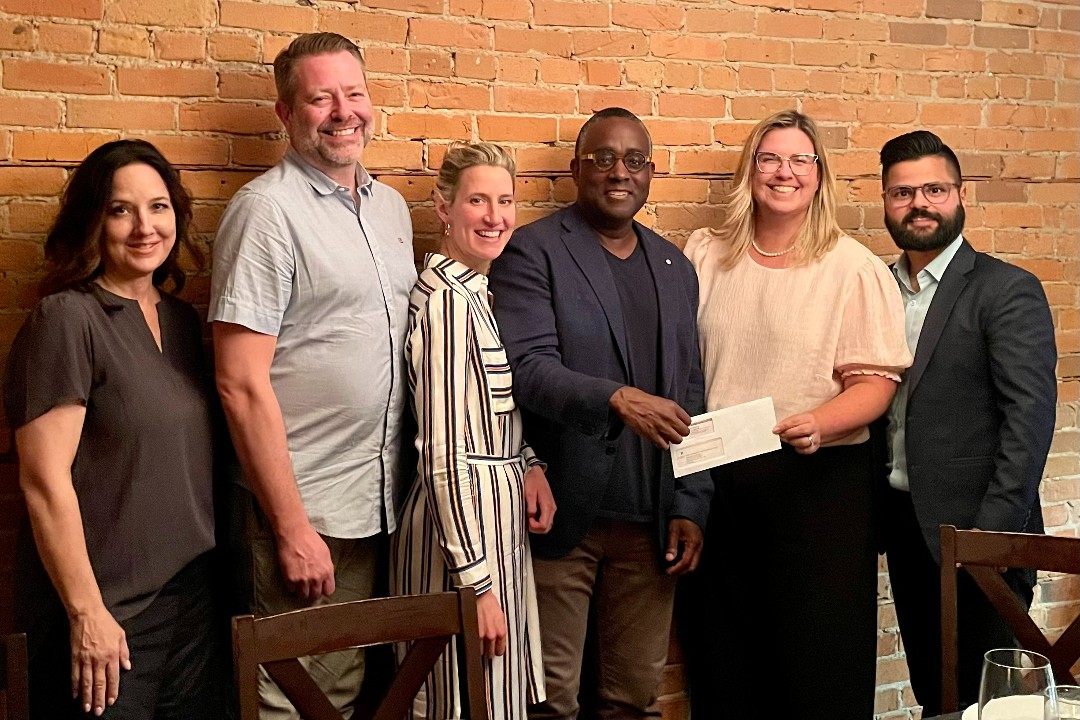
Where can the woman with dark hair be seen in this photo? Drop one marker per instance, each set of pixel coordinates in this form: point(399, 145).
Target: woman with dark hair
point(792, 309)
point(106, 390)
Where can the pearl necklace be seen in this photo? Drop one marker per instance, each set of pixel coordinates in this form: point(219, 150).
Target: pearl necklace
point(772, 254)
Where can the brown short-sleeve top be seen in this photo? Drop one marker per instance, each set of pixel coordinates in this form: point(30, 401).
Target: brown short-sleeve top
point(143, 469)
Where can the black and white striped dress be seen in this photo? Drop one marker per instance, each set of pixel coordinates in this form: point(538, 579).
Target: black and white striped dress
point(464, 520)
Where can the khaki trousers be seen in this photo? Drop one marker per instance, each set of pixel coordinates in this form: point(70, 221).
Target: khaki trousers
point(614, 576)
point(359, 566)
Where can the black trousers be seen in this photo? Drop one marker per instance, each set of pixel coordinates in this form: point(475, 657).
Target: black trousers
point(176, 667)
point(916, 587)
point(784, 605)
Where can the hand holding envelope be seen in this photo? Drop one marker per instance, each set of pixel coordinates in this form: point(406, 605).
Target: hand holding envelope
point(727, 435)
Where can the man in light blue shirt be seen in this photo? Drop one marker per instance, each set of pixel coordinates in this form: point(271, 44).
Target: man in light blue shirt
point(313, 265)
point(971, 424)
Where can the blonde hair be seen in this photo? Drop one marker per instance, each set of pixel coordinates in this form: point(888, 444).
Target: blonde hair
point(461, 156)
point(820, 229)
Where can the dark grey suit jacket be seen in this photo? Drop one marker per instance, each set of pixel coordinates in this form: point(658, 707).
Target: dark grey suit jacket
point(561, 321)
point(981, 400)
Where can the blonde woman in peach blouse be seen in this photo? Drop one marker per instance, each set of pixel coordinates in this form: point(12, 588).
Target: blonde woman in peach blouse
point(791, 308)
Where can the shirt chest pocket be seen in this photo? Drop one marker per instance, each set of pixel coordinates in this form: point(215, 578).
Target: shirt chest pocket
point(497, 372)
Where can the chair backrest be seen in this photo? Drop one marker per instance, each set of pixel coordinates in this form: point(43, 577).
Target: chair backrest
point(981, 554)
point(428, 621)
point(14, 687)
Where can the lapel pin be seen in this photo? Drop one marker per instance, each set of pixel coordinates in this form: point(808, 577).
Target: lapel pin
point(667, 260)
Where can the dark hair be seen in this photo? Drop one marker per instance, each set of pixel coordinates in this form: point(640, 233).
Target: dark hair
point(73, 246)
point(914, 146)
point(323, 43)
point(611, 112)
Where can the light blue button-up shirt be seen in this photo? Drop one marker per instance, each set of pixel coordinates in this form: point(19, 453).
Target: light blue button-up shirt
point(916, 304)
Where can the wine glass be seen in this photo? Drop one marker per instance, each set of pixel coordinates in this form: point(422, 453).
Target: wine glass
point(1063, 702)
point(1013, 685)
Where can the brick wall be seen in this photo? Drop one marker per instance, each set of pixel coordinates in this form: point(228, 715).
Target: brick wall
point(1000, 81)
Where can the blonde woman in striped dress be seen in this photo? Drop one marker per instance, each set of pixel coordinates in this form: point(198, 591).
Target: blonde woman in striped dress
point(479, 489)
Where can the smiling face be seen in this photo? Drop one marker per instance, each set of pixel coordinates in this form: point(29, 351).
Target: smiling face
point(140, 224)
point(612, 197)
point(922, 225)
point(481, 218)
point(783, 192)
point(330, 118)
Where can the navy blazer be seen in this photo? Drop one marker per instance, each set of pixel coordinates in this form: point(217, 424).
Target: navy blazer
point(561, 321)
point(982, 392)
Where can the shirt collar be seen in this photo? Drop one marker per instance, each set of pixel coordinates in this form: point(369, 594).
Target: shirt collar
point(936, 268)
point(472, 281)
point(320, 181)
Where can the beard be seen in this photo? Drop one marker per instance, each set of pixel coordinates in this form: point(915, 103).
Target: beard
point(947, 230)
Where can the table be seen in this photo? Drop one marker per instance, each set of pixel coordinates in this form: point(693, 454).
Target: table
point(950, 716)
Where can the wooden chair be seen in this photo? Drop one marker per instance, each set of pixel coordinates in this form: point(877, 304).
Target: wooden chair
point(982, 554)
point(14, 690)
point(428, 621)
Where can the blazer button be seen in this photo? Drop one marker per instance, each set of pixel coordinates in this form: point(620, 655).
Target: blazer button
point(610, 450)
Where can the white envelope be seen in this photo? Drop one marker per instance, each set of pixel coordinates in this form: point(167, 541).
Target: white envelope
point(727, 435)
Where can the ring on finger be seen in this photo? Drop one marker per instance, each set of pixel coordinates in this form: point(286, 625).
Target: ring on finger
point(812, 441)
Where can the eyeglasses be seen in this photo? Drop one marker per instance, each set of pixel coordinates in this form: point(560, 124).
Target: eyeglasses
point(800, 163)
point(604, 160)
point(934, 192)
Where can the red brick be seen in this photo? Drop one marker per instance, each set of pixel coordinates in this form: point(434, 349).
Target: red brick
point(273, 45)
point(386, 60)
point(559, 71)
point(53, 146)
point(852, 6)
point(214, 184)
point(954, 9)
point(418, 6)
point(692, 105)
point(65, 38)
point(595, 43)
point(917, 33)
point(247, 86)
point(1008, 38)
point(1001, 115)
point(421, 126)
point(679, 189)
point(826, 54)
point(682, 75)
point(120, 114)
point(16, 35)
point(530, 40)
point(885, 56)
point(862, 29)
point(506, 9)
point(179, 45)
point(448, 96)
point(788, 25)
point(1010, 13)
point(500, 128)
point(400, 154)
point(763, 51)
point(234, 47)
point(256, 151)
point(719, 77)
point(80, 9)
point(30, 111)
point(687, 217)
point(170, 82)
point(430, 62)
point(423, 31)
point(705, 162)
point(265, 16)
point(56, 77)
point(479, 66)
point(755, 78)
point(192, 149)
point(887, 112)
point(543, 159)
point(532, 100)
point(602, 72)
point(680, 131)
point(175, 13)
point(572, 14)
point(516, 69)
point(31, 217)
point(1016, 63)
point(30, 181)
point(636, 101)
point(362, 26)
point(685, 47)
point(132, 42)
point(709, 20)
point(235, 117)
point(647, 17)
point(756, 108)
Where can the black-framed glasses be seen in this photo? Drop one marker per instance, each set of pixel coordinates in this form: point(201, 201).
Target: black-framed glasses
point(934, 192)
point(604, 160)
point(770, 162)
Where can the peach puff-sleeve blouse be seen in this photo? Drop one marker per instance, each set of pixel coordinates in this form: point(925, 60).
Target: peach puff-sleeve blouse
point(794, 334)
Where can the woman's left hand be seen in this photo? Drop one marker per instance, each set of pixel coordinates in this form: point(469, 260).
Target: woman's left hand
point(539, 502)
point(801, 432)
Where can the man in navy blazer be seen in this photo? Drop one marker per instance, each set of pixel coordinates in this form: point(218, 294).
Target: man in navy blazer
point(598, 316)
point(971, 424)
